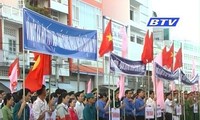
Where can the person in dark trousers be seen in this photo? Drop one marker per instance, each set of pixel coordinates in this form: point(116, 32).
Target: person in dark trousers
point(168, 107)
point(140, 105)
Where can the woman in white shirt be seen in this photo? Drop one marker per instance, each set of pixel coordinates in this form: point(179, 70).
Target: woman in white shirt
point(62, 111)
point(51, 107)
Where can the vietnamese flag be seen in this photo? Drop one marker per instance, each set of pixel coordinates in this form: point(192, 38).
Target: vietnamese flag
point(167, 57)
point(147, 54)
point(107, 42)
point(178, 62)
point(47, 62)
point(34, 78)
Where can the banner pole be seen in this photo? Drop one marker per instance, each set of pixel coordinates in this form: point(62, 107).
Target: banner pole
point(155, 90)
point(109, 94)
point(78, 76)
point(179, 91)
point(97, 85)
point(148, 89)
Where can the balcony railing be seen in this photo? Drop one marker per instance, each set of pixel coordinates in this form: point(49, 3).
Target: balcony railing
point(11, 13)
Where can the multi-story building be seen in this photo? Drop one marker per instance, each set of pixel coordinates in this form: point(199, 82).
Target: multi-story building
point(134, 14)
point(11, 34)
point(84, 12)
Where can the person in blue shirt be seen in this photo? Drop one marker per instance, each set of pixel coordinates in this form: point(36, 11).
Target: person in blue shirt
point(103, 106)
point(140, 105)
point(129, 105)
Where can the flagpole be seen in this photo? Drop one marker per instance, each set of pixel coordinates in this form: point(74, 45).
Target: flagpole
point(23, 63)
point(97, 84)
point(155, 90)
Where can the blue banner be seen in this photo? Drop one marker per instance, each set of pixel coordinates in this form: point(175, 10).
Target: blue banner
point(125, 66)
point(187, 81)
point(165, 74)
point(47, 36)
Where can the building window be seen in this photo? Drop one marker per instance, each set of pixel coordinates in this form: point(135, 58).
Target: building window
point(55, 15)
point(12, 46)
point(76, 12)
point(20, 3)
point(132, 38)
point(131, 14)
point(140, 40)
point(134, 13)
point(98, 21)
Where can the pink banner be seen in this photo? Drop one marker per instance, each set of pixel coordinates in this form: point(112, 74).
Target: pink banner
point(158, 84)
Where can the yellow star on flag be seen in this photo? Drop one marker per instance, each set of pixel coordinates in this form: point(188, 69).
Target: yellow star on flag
point(172, 54)
point(109, 37)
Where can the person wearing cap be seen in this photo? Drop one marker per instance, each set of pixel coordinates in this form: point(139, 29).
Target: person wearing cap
point(94, 91)
point(89, 112)
point(79, 104)
point(129, 105)
point(169, 107)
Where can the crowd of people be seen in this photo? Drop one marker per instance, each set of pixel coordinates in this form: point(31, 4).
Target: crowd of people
point(64, 105)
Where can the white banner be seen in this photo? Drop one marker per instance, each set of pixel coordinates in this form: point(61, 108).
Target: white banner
point(115, 113)
point(195, 108)
point(149, 112)
point(158, 112)
point(178, 110)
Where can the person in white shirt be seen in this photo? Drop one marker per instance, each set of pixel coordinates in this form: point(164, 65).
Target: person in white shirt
point(51, 106)
point(168, 107)
point(151, 101)
point(79, 104)
point(40, 106)
point(62, 111)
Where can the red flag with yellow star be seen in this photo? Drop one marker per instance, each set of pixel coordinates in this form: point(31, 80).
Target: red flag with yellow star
point(178, 62)
point(167, 57)
point(107, 42)
point(147, 53)
point(34, 78)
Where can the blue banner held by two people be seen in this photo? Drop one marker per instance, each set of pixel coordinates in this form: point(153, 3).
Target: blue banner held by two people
point(125, 66)
point(47, 36)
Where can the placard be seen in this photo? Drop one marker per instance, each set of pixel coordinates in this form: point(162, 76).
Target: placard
point(115, 113)
point(158, 112)
point(195, 108)
point(149, 112)
point(178, 110)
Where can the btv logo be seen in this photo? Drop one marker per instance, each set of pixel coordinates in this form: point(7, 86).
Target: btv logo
point(165, 22)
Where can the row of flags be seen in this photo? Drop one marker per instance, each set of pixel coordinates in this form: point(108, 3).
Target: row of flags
point(42, 64)
point(35, 77)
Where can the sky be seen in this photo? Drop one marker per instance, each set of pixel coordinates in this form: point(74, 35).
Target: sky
point(188, 27)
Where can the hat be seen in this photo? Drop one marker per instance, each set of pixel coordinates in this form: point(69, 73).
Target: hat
point(89, 95)
point(117, 90)
point(94, 90)
point(71, 93)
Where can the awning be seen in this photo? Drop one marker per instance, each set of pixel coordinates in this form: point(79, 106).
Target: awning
point(83, 69)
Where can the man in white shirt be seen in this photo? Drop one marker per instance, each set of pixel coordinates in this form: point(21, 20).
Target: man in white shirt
point(168, 107)
point(151, 101)
point(79, 104)
point(40, 106)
